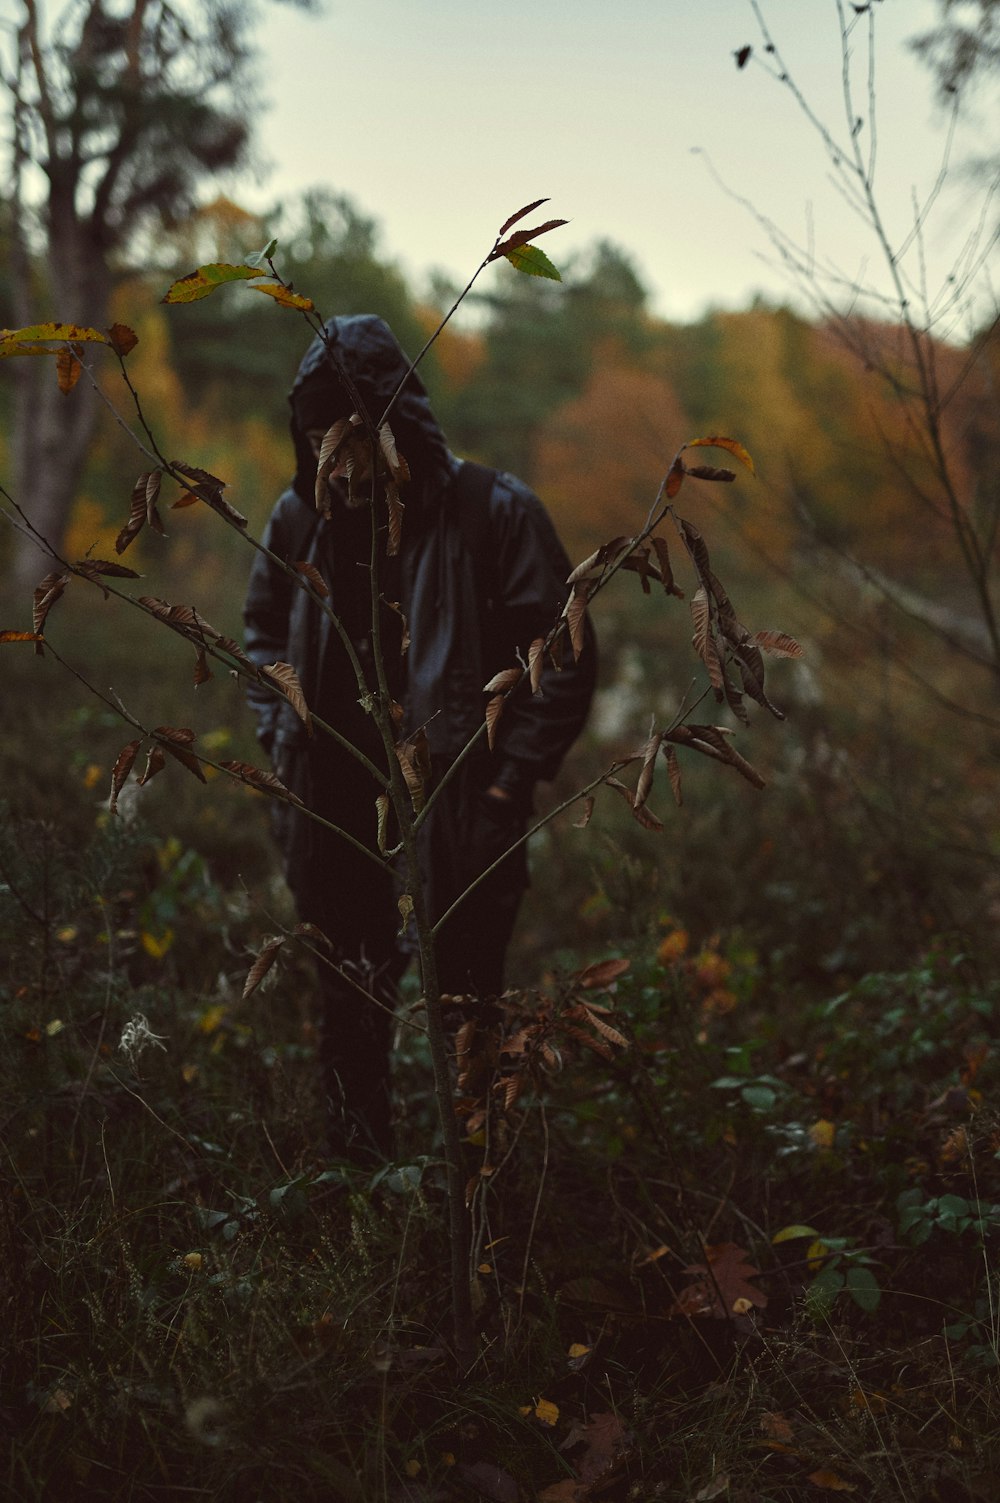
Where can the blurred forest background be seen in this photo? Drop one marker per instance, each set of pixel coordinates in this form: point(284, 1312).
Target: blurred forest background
point(874, 838)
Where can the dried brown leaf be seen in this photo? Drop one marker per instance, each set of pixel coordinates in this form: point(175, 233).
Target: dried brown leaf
point(575, 612)
point(536, 661)
point(68, 370)
point(287, 680)
point(494, 709)
point(396, 510)
point(696, 548)
point(121, 770)
point(175, 740)
point(136, 515)
point(46, 594)
point(153, 481)
point(503, 681)
point(639, 562)
point(666, 572)
point(701, 615)
point(601, 973)
point(830, 1481)
point(673, 773)
point(21, 636)
point(404, 640)
point(645, 782)
point(263, 963)
point(381, 820)
point(155, 762)
point(208, 488)
point(256, 777)
point(524, 237)
point(605, 1030)
point(595, 563)
point(719, 1283)
point(414, 760)
point(778, 643)
point(202, 672)
point(645, 816)
point(536, 203)
point(311, 931)
point(312, 574)
point(584, 820)
point(398, 468)
point(675, 478)
point(122, 339)
point(709, 472)
point(226, 644)
point(607, 1443)
point(96, 566)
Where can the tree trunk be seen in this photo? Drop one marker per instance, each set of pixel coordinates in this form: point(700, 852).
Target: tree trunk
point(53, 430)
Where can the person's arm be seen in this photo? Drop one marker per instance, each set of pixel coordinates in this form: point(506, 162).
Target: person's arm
point(265, 617)
point(534, 733)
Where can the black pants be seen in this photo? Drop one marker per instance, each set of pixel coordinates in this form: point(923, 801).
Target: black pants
point(354, 902)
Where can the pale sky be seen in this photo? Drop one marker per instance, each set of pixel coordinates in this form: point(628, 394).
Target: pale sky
point(441, 117)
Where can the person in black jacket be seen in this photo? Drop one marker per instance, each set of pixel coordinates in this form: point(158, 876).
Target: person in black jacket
point(479, 575)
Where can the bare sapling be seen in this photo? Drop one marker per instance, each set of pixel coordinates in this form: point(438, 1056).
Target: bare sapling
point(477, 1074)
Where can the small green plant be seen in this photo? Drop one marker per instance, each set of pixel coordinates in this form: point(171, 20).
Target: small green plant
point(839, 1267)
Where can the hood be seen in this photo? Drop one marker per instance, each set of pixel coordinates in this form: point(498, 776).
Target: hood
point(376, 364)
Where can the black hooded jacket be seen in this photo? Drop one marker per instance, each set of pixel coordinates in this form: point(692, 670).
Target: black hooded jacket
point(474, 593)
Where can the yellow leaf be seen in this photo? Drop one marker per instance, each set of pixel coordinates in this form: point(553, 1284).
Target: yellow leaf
point(448, 1458)
point(823, 1133)
point(547, 1412)
point(485, 1268)
point(578, 1350)
point(189, 1074)
point(93, 774)
point(789, 1233)
point(285, 299)
point(816, 1253)
point(193, 1261)
point(56, 1026)
point(412, 1469)
point(66, 936)
point(156, 946)
point(211, 1018)
point(716, 441)
point(10, 339)
point(198, 284)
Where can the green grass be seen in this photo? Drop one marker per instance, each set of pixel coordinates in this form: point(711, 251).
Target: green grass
point(202, 1305)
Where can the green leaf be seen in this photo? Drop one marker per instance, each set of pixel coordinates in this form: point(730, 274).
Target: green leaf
point(198, 284)
point(760, 1097)
point(261, 257)
point(863, 1288)
point(789, 1233)
point(533, 262)
point(822, 1292)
